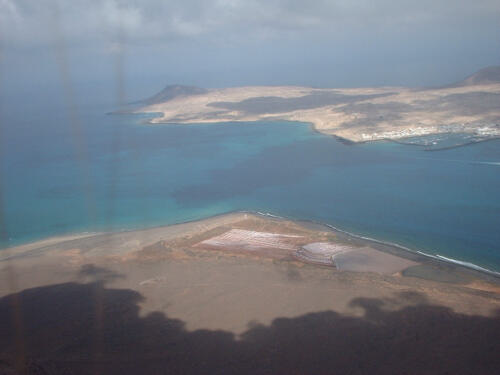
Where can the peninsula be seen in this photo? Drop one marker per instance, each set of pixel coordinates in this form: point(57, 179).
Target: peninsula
point(241, 293)
point(471, 106)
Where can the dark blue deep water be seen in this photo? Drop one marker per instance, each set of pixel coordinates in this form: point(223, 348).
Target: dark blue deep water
point(65, 171)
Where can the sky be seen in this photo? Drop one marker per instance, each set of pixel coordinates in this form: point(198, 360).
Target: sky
point(139, 46)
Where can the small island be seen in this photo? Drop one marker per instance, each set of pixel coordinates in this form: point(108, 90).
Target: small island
point(471, 107)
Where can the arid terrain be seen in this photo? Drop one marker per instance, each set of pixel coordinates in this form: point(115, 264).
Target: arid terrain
point(241, 293)
point(356, 114)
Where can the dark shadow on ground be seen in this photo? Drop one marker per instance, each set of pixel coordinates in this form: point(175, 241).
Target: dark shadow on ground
point(91, 272)
point(91, 329)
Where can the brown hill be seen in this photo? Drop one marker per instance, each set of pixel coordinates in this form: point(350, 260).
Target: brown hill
point(484, 76)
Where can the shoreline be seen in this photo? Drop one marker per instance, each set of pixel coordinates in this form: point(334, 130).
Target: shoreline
point(381, 245)
point(314, 128)
point(312, 125)
point(468, 143)
point(151, 293)
point(399, 249)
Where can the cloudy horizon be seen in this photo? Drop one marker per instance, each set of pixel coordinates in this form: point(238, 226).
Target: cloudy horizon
point(231, 42)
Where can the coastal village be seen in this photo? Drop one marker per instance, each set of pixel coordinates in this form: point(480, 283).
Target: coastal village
point(483, 131)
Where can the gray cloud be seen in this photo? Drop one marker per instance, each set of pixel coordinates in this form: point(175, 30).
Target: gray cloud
point(215, 43)
point(31, 23)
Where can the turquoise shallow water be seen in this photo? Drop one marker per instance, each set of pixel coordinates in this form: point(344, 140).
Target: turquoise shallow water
point(111, 172)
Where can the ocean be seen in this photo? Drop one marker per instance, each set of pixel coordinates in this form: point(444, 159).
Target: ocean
point(83, 170)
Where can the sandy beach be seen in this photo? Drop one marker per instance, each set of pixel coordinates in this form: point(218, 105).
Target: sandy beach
point(233, 294)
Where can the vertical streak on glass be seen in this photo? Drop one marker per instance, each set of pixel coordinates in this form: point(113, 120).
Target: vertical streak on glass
point(10, 273)
point(116, 144)
point(81, 148)
point(82, 157)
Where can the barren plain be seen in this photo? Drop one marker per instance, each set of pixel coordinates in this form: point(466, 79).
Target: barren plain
point(233, 294)
point(355, 114)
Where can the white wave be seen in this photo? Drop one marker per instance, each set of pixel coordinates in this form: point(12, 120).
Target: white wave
point(270, 215)
point(459, 160)
point(467, 264)
point(437, 256)
point(427, 255)
point(489, 162)
point(371, 239)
